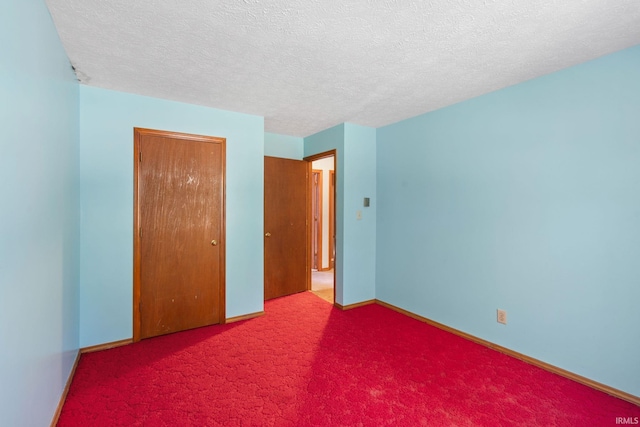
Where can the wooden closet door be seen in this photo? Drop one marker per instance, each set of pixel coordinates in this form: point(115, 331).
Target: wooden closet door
point(180, 212)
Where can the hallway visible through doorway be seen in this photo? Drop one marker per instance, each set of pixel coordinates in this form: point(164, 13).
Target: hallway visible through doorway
point(322, 233)
point(322, 284)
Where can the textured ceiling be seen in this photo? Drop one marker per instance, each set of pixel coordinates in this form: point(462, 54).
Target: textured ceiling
point(307, 65)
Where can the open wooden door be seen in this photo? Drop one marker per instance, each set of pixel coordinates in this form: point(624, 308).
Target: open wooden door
point(316, 219)
point(286, 204)
point(332, 219)
point(179, 253)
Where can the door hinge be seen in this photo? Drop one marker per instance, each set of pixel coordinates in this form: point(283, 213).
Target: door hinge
point(139, 156)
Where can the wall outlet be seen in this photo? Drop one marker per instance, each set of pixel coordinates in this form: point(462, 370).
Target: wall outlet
point(502, 316)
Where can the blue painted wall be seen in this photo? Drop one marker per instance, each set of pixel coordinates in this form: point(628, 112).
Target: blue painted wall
point(284, 146)
point(39, 217)
point(107, 119)
point(525, 199)
point(355, 179)
point(359, 234)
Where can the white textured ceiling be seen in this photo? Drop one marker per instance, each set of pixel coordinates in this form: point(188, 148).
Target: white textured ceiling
point(307, 65)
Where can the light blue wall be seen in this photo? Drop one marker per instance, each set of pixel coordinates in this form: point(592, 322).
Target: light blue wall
point(359, 235)
point(525, 199)
point(355, 179)
point(107, 120)
point(284, 146)
point(39, 217)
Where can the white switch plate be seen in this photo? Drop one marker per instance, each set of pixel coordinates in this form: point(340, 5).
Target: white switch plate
point(358, 215)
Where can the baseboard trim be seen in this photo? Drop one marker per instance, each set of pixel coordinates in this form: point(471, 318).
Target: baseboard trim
point(530, 360)
point(105, 346)
point(63, 397)
point(244, 317)
point(65, 391)
point(356, 305)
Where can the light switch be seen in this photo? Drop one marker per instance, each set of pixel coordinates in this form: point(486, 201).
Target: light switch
point(358, 215)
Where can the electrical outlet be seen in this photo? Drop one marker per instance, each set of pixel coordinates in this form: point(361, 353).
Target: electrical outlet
point(502, 316)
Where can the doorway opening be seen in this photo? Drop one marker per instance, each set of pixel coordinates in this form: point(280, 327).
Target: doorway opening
point(322, 181)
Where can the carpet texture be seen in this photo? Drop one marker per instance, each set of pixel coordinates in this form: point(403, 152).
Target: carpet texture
point(306, 363)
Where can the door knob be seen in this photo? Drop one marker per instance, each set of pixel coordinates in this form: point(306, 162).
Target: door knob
point(214, 243)
point(267, 234)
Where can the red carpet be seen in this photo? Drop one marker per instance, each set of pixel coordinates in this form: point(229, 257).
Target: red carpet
point(306, 363)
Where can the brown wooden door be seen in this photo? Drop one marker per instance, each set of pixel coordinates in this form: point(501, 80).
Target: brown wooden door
point(180, 232)
point(316, 219)
point(332, 219)
point(286, 259)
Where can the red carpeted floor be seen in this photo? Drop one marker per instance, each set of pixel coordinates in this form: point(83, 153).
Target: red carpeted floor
point(306, 363)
